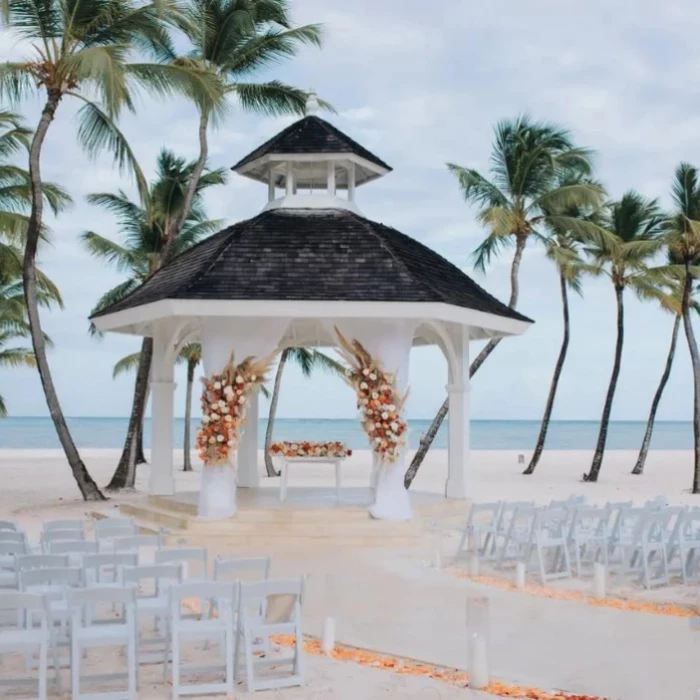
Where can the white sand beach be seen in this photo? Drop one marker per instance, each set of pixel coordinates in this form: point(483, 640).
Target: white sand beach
point(392, 601)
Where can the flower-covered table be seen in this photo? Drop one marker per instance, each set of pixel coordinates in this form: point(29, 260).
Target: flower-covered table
point(310, 453)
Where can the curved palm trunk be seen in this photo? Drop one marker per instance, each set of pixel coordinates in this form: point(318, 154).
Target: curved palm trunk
point(695, 361)
point(191, 366)
point(542, 437)
point(174, 231)
point(607, 407)
point(88, 488)
point(140, 456)
point(125, 473)
point(644, 451)
point(479, 360)
point(269, 467)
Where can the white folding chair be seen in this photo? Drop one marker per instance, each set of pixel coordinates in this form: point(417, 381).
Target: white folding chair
point(53, 584)
point(244, 569)
point(508, 510)
point(570, 502)
point(204, 627)
point(51, 525)
point(13, 537)
point(626, 521)
point(25, 562)
point(75, 550)
point(90, 629)
point(646, 544)
point(481, 529)
point(519, 538)
point(152, 583)
point(48, 537)
point(111, 529)
point(588, 536)
point(265, 609)
point(551, 529)
point(656, 503)
point(9, 525)
point(21, 638)
point(688, 544)
point(193, 560)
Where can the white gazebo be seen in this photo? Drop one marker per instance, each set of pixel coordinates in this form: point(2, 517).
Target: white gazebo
point(307, 264)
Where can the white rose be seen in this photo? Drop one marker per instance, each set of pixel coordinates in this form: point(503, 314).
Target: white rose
point(385, 416)
point(365, 371)
point(378, 440)
point(370, 428)
point(295, 447)
point(224, 409)
point(375, 395)
point(228, 418)
point(222, 403)
point(214, 416)
point(391, 408)
point(241, 399)
point(220, 438)
point(364, 386)
point(365, 402)
point(212, 440)
point(239, 379)
point(214, 406)
point(377, 425)
point(373, 377)
point(394, 426)
point(205, 419)
point(217, 385)
point(253, 378)
point(231, 443)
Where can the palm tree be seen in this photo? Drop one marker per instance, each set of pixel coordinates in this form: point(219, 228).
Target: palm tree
point(308, 361)
point(671, 300)
point(682, 236)
point(144, 228)
point(192, 354)
point(634, 224)
point(563, 248)
point(13, 311)
point(231, 40)
point(80, 49)
point(520, 200)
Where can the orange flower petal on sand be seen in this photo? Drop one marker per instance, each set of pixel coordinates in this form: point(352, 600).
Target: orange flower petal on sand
point(668, 609)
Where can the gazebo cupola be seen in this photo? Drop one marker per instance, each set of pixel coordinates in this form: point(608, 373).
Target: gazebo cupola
point(311, 165)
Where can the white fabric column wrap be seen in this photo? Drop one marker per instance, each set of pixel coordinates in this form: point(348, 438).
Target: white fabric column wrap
point(245, 338)
point(389, 342)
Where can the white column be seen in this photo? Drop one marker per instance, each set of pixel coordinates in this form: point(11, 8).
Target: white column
point(459, 416)
point(271, 185)
point(351, 182)
point(331, 178)
point(248, 475)
point(162, 479)
point(289, 177)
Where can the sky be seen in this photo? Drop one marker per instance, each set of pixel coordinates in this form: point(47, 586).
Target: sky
point(421, 85)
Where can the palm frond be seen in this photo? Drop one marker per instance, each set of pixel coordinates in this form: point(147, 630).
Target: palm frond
point(128, 363)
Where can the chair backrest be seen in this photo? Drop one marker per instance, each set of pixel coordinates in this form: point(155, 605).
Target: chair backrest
point(553, 521)
point(653, 526)
point(111, 562)
point(162, 575)
point(187, 557)
point(87, 604)
point(260, 595)
point(224, 593)
point(63, 576)
point(49, 536)
point(134, 543)
point(26, 562)
point(508, 510)
point(73, 547)
point(14, 547)
point(51, 525)
point(484, 513)
point(243, 569)
point(107, 524)
point(9, 525)
point(656, 503)
point(13, 536)
point(18, 601)
point(589, 520)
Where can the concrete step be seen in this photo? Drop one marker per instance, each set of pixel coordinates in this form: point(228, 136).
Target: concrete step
point(156, 517)
point(144, 528)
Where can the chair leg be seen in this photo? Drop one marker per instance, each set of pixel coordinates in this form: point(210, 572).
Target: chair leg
point(43, 668)
point(299, 654)
point(230, 659)
point(133, 665)
point(248, 644)
point(75, 659)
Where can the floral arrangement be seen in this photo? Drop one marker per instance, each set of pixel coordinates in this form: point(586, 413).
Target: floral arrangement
point(377, 399)
point(310, 449)
point(224, 407)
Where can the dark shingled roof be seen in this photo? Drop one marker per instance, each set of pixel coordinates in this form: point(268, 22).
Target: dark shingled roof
point(314, 255)
point(311, 135)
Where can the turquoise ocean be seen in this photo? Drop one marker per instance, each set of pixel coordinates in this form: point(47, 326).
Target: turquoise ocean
point(39, 433)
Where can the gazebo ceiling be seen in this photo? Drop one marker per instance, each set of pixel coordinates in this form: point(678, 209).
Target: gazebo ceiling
point(313, 255)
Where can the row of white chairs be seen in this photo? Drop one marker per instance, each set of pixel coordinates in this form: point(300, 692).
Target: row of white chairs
point(651, 541)
point(239, 616)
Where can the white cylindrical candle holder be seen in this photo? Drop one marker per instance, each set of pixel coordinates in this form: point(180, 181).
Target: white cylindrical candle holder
point(520, 575)
point(328, 635)
point(599, 581)
point(696, 695)
point(473, 564)
point(478, 662)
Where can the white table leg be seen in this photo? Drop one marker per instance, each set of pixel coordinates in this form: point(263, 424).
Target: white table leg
point(338, 478)
point(283, 481)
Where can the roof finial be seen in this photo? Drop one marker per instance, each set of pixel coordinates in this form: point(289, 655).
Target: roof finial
point(312, 105)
